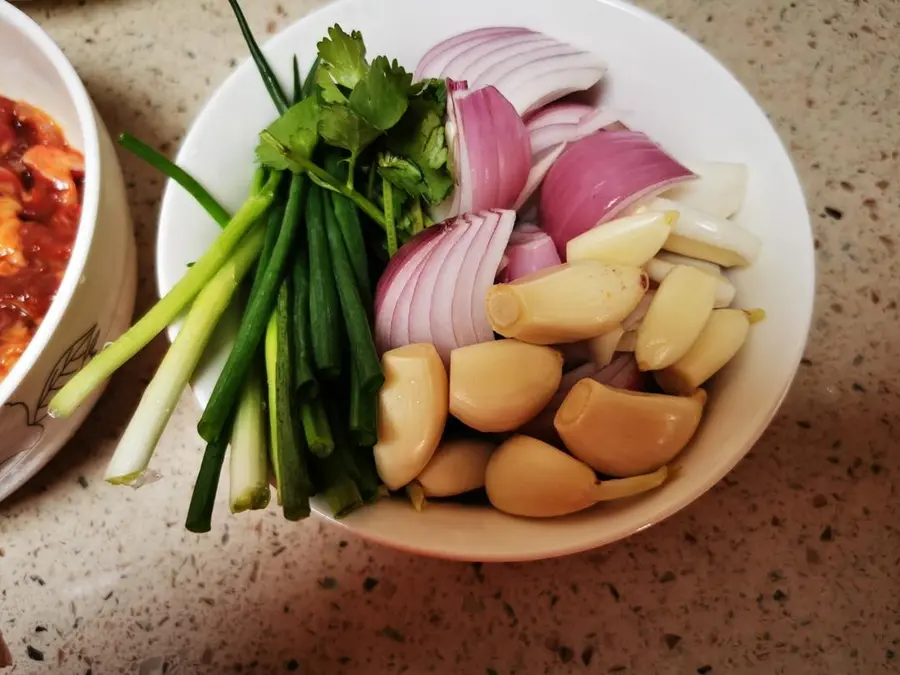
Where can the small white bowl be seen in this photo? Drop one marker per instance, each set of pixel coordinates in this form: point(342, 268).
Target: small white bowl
point(672, 89)
point(95, 300)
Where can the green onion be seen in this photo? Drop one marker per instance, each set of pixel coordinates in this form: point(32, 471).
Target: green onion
point(363, 406)
point(203, 498)
point(363, 355)
point(297, 94)
point(324, 305)
point(171, 170)
point(136, 447)
point(253, 324)
point(310, 84)
point(304, 380)
point(288, 454)
point(316, 427)
point(167, 309)
point(351, 231)
point(334, 476)
point(265, 71)
point(249, 463)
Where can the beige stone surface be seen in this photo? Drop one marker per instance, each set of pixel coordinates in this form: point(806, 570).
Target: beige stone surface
point(790, 565)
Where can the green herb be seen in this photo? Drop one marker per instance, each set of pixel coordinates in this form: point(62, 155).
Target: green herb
point(161, 163)
point(296, 130)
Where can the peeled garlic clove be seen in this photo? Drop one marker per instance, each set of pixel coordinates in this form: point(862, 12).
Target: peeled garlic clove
point(498, 386)
point(567, 303)
point(622, 488)
point(721, 338)
point(457, 466)
point(718, 189)
point(703, 235)
point(660, 267)
point(527, 477)
point(604, 347)
point(680, 309)
point(625, 433)
point(412, 411)
point(631, 240)
point(676, 259)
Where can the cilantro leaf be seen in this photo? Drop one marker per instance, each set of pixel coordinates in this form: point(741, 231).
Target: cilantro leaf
point(343, 56)
point(417, 157)
point(400, 172)
point(297, 129)
point(343, 128)
point(380, 97)
point(329, 91)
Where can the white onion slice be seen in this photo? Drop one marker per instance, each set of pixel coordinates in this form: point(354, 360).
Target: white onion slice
point(719, 188)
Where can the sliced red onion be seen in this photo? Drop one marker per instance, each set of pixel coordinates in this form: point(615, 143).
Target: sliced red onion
point(491, 151)
point(536, 175)
point(599, 176)
point(529, 68)
point(395, 278)
point(564, 112)
point(434, 287)
point(529, 251)
point(437, 58)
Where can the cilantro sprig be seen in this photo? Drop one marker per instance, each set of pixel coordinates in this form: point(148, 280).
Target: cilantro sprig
point(391, 129)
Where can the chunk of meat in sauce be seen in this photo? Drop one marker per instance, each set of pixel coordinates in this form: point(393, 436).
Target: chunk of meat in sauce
point(41, 180)
point(59, 166)
point(14, 338)
point(12, 258)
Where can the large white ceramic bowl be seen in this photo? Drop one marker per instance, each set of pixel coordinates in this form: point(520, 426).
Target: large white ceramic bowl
point(673, 90)
point(96, 297)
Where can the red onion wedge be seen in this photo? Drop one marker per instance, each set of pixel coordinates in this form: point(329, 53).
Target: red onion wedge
point(601, 175)
point(529, 250)
point(490, 150)
point(529, 68)
point(442, 53)
point(563, 112)
point(433, 289)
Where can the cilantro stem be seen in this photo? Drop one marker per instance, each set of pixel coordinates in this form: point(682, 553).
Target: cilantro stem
point(387, 192)
point(326, 180)
point(265, 70)
point(171, 170)
point(418, 220)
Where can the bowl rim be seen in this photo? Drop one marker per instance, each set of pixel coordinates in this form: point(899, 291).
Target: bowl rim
point(468, 554)
point(84, 110)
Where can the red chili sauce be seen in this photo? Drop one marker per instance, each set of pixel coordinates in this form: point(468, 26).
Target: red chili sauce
point(41, 191)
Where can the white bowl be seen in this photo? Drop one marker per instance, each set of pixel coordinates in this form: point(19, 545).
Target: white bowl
point(673, 90)
point(95, 299)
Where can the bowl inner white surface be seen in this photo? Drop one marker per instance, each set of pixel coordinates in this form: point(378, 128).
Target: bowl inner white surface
point(673, 90)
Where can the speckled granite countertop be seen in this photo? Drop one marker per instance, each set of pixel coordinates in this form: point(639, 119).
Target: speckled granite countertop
point(791, 565)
